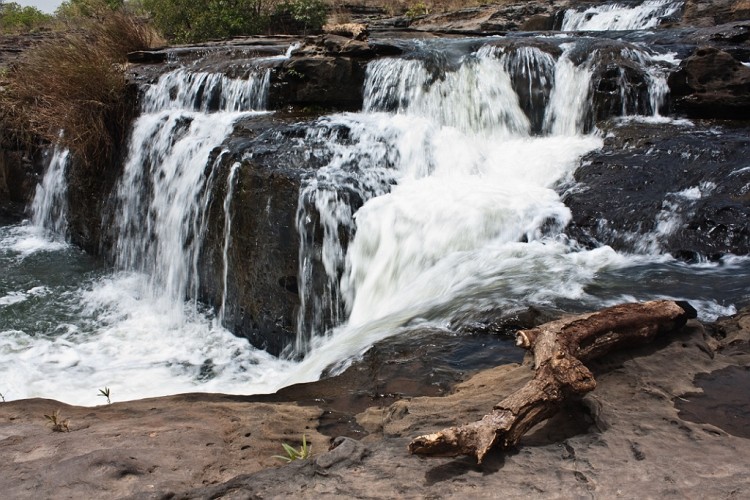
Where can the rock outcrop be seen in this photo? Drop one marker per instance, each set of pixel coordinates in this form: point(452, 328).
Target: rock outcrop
point(711, 83)
point(713, 12)
point(262, 296)
point(671, 188)
point(494, 18)
point(20, 171)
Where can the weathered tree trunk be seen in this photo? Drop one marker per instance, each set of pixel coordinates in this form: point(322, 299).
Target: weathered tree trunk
point(559, 349)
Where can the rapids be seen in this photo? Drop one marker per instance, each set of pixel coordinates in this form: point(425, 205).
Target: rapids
point(459, 164)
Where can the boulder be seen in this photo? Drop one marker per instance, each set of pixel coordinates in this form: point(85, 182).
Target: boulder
point(711, 83)
point(327, 72)
point(318, 81)
point(262, 297)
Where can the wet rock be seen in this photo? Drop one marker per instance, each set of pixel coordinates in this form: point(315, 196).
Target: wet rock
point(326, 82)
point(90, 185)
point(674, 188)
point(262, 297)
point(531, 82)
point(711, 83)
point(20, 172)
point(621, 86)
point(147, 57)
point(327, 72)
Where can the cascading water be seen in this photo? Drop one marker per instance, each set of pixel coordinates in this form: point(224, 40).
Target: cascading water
point(164, 190)
point(458, 201)
point(227, 237)
point(620, 16)
point(49, 209)
point(441, 199)
point(133, 328)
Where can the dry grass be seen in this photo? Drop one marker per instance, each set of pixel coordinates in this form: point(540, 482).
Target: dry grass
point(75, 83)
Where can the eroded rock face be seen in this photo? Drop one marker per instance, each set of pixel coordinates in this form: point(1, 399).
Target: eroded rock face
point(262, 296)
point(20, 172)
point(711, 83)
point(515, 16)
point(671, 188)
point(712, 12)
point(327, 72)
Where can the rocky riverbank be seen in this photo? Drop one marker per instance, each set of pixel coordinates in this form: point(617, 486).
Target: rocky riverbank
point(684, 392)
point(668, 420)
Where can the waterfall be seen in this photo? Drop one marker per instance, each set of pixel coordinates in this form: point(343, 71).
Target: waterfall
point(49, 209)
point(620, 16)
point(164, 192)
point(227, 237)
point(570, 96)
point(445, 180)
point(437, 206)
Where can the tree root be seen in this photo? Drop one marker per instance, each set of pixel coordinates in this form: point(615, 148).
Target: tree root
point(559, 349)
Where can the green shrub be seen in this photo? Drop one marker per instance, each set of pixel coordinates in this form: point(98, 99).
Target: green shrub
point(86, 8)
point(306, 16)
point(292, 453)
point(418, 9)
point(14, 18)
point(186, 21)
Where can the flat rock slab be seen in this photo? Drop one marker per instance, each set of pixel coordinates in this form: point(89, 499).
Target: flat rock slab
point(164, 444)
point(626, 438)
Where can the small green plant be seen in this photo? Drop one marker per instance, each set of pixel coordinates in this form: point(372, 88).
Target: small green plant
point(105, 393)
point(57, 422)
point(294, 454)
point(418, 9)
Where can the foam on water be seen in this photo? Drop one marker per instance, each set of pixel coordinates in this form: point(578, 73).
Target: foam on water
point(441, 198)
point(25, 240)
point(133, 343)
point(460, 208)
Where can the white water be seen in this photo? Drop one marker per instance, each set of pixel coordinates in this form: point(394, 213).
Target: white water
point(132, 330)
point(227, 237)
point(49, 209)
point(461, 214)
point(460, 206)
point(620, 16)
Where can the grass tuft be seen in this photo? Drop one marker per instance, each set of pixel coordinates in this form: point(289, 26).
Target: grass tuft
point(75, 82)
point(292, 453)
point(57, 422)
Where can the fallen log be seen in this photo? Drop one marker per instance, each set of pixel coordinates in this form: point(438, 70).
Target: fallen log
point(559, 349)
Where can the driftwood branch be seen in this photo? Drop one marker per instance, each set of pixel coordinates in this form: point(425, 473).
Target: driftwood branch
point(559, 349)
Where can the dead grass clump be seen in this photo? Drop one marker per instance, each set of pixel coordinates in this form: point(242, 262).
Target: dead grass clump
point(75, 83)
